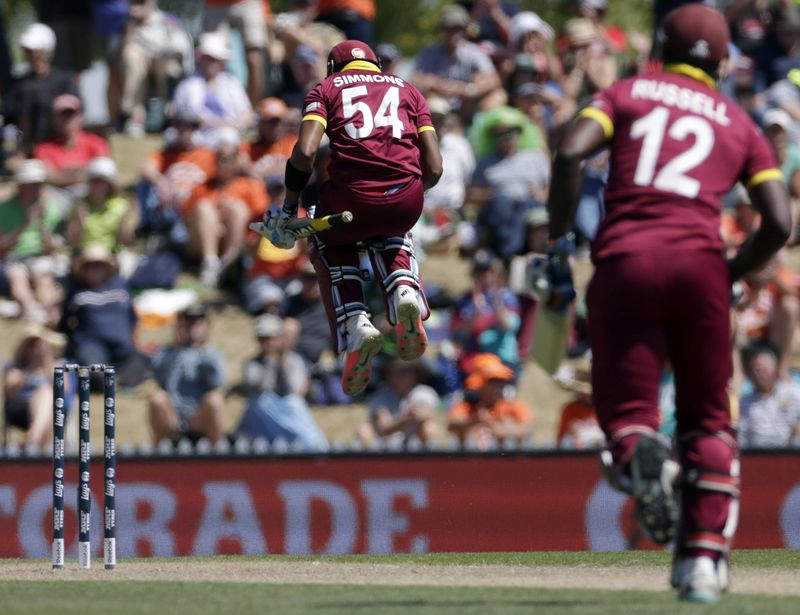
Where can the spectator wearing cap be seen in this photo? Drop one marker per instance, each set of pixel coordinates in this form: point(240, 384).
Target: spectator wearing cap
point(103, 217)
point(306, 69)
point(458, 160)
point(218, 211)
point(588, 65)
point(152, 47)
point(355, 18)
point(389, 56)
point(68, 152)
point(770, 414)
point(213, 95)
point(276, 381)
point(267, 155)
point(249, 19)
point(403, 407)
point(487, 413)
point(486, 318)
point(632, 48)
point(28, 221)
point(785, 96)
point(531, 35)
point(28, 384)
point(779, 127)
point(169, 176)
point(437, 228)
point(454, 68)
point(190, 374)
point(97, 315)
point(28, 103)
point(506, 184)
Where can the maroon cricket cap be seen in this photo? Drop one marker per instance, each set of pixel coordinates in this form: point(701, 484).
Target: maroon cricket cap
point(695, 34)
point(347, 51)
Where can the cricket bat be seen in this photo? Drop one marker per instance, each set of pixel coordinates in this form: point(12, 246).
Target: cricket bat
point(550, 338)
point(303, 227)
point(551, 332)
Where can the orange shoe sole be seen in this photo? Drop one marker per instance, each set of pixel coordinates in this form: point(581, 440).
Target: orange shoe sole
point(412, 341)
point(358, 366)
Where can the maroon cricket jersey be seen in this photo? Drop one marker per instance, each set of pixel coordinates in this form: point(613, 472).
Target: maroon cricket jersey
point(373, 120)
point(677, 147)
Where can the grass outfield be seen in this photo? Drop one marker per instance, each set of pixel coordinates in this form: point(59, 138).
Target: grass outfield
point(437, 583)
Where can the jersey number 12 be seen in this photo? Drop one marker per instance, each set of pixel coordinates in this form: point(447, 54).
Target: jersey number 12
point(672, 176)
point(386, 115)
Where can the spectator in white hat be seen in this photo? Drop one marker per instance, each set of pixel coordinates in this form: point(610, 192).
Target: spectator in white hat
point(211, 93)
point(152, 47)
point(27, 225)
point(30, 97)
point(248, 18)
point(103, 217)
point(778, 127)
point(531, 35)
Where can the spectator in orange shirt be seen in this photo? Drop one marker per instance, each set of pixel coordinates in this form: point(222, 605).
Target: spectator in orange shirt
point(68, 152)
point(353, 17)
point(267, 155)
point(578, 427)
point(486, 414)
point(769, 309)
point(217, 212)
point(170, 175)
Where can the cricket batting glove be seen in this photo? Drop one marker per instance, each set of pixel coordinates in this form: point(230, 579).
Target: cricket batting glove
point(559, 274)
point(276, 223)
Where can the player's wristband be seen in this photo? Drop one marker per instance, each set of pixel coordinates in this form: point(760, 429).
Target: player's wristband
point(562, 245)
point(295, 179)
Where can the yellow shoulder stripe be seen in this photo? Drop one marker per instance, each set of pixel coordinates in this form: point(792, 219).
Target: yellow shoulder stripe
point(601, 117)
point(764, 176)
point(316, 118)
point(422, 129)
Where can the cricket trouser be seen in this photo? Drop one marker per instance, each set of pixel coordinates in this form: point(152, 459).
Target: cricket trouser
point(381, 225)
point(645, 310)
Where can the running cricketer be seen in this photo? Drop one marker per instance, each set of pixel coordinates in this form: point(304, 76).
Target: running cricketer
point(662, 286)
point(384, 154)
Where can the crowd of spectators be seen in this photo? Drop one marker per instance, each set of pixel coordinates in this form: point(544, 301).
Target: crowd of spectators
point(224, 95)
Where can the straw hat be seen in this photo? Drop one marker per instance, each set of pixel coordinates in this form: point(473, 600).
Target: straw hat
point(95, 253)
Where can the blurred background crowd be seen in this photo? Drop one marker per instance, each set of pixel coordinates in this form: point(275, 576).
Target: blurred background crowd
point(139, 139)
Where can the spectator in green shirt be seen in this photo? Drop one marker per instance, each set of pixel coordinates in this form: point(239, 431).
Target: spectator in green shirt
point(103, 217)
point(27, 224)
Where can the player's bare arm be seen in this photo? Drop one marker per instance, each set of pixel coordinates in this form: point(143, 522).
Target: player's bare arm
point(771, 200)
point(584, 138)
point(301, 162)
point(430, 159)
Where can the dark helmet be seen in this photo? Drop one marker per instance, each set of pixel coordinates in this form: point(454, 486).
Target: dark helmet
point(346, 52)
point(695, 34)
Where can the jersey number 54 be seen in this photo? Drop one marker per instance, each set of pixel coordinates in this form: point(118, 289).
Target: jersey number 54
point(386, 115)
